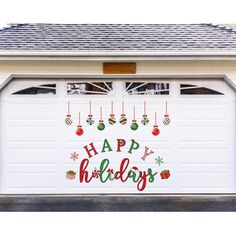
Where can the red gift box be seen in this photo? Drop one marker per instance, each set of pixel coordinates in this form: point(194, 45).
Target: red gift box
point(165, 174)
point(70, 174)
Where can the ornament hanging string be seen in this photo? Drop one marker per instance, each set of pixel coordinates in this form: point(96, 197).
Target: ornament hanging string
point(68, 107)
point(166, 107)
point(100, 113)
point(79, 118)
point(145, 112)
point(134, 112)
point(155, 118)
point(90, 109)
point(123, 107)
point(112, 107)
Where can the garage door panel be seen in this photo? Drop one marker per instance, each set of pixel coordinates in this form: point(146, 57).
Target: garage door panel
point(206, 111)
point(203, 133)
point(197, 147)
point(35, 134)
point(33, 180)
point(194, 155)
point(211, 180)
point(29, 156)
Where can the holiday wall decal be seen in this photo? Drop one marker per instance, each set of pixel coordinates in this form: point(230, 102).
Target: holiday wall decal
point(155, 130)
point(90, 120)
point(134, 124)
point(145, 119)
point(79, 130)
point(166, 120)
point(68, 119)
point(123, 119)
point(112, 119)
point(70, 174)
point(101, 126)
point(105, 172)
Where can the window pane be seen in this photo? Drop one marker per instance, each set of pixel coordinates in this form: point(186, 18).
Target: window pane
point(147, 88)
point(41, 89)
point(186, 89)
point(89, 88)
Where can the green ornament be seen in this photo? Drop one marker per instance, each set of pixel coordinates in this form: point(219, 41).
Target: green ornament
point(134, 125)
point(101, 125)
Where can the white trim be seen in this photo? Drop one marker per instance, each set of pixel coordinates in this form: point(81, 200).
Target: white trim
point(115, 55)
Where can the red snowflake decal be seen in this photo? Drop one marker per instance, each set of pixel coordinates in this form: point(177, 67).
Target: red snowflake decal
point(74, 156)
point(96, 173)
point(110, 171)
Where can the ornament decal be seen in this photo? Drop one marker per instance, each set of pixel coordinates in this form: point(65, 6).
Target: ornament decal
point(166, 120)
point(155, 130)
point(145, 119)
point(134, 124)
point(123, 119)
point(101, 126)
point(79, 130)
point(112, 119)
point(68, 119)
point(90, 120)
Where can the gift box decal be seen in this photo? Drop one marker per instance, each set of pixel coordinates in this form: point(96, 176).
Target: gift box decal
point(165, 174)
point(70, 174)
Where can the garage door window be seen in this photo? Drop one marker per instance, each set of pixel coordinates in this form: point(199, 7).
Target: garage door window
point(40, 89)
point(133, 88)
point(90, 88)
point(189, 89)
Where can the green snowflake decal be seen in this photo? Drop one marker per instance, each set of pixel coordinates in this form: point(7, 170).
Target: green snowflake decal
point(159, 160)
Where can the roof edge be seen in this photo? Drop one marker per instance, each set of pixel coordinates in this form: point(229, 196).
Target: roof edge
point(118, 55)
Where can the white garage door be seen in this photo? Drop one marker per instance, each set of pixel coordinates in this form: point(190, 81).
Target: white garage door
point(195, 153)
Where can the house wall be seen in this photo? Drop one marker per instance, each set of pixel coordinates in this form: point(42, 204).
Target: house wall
point(159, 67)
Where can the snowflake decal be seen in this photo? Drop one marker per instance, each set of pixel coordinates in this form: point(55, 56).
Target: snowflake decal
point(74, 156)
point(159, 161)
point(96, 173)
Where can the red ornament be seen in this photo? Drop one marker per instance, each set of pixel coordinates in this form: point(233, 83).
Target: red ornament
point(79, 130)
point(155, 130)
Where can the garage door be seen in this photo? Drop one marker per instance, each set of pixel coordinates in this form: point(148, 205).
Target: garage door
point(117, 136)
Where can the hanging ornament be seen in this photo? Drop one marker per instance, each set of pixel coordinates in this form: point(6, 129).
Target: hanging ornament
point(101, 125)
point(145, 119)
point(112, 119)
point(123, 119)
point(166, 120)
point(90, 119)
point(79, 130)
point(155, 130)
point(68, 119)
point(134, 124)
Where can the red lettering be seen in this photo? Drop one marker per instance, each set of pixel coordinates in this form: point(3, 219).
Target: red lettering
point(120, 143)
point(83, 173)
point(90, 150)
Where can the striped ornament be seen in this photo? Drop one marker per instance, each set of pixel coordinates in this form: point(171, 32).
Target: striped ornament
point(68, 120)
point(166, 120)
point(123, 119)
point(112, 119)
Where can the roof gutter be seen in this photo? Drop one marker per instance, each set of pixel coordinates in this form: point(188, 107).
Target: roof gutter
point(117, 55)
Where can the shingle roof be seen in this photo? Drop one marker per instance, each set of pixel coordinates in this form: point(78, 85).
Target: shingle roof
point(130, 37)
